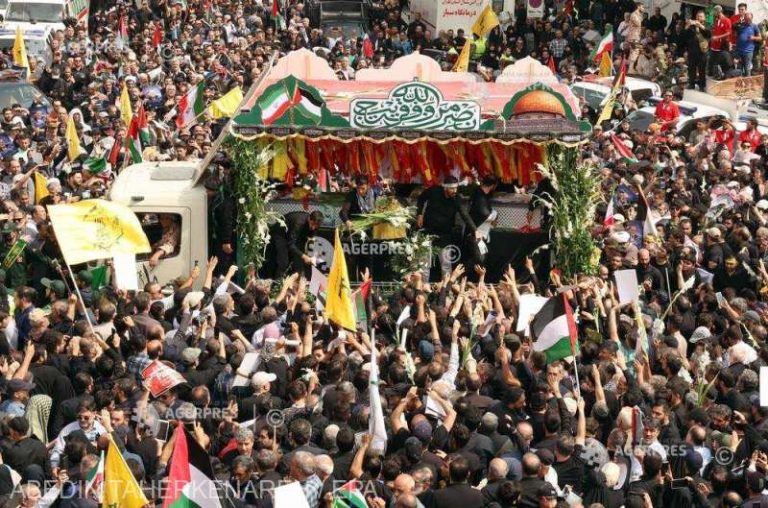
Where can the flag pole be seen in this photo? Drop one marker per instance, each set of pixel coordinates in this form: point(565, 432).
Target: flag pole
point(80, 296)
point(576, 371)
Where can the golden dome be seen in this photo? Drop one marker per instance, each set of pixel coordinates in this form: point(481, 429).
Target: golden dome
point(539, 101)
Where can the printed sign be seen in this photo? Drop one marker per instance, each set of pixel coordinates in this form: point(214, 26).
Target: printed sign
point(415, 106)
point(535, 9)
point(159, 378)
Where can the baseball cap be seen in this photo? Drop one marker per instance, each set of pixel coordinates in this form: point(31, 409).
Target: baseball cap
point(194, 298)
point(85, 276)
point(262, 378)
point(546, 490)
point(699, 334)
point(762, 204)
point(546, 456)
point(190, 354)
point(56, 286)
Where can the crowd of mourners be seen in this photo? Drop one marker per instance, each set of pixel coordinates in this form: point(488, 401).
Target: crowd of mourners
point(474, 415)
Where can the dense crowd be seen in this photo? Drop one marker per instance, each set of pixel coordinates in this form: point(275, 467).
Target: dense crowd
point(660, 406)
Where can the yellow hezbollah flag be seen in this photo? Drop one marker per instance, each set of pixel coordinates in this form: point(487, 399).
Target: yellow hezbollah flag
point(338, 303)
point(120, 487)
point(462, 63)
point(20, 50)
point(485, 22)
point(126, 112)
point(41, 187)
point(96, 229)
point(226, 106)
point(73, 142)
point(606, 65)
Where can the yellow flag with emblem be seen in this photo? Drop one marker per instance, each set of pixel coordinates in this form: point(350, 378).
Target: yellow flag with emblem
point(226, 106)
point(606, 65)
point(485, 22)
point(338, 304)
point(97, 229)
point(20, 50)
point(41, 187)
point(121, 490)
point(73, 142)
point(126, 111)
point(462, 63)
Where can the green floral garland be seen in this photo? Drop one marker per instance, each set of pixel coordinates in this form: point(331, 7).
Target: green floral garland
point(253, 193)
point(577, 194)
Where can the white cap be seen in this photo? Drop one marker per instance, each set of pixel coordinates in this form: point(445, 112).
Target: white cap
point(262, 378)
point(620, 236)
point(762, 204)
point(619, 218)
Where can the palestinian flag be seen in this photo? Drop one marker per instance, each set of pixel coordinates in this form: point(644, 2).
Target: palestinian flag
point(191, 106)
point(359, 299)
point(623, 149)
point(554, 329)
point(308, 105)
point(143, 125)
point(605, 45)
point(114, 152)
point(133, 140)
point(191, 481)
point(276, 16)
point(94, 480)
point(349, 496)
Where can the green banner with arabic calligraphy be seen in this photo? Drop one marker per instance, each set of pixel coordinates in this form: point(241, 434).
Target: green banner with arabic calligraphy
point(14, 253)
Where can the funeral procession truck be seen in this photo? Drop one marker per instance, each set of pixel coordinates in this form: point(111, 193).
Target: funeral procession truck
point(412, 133)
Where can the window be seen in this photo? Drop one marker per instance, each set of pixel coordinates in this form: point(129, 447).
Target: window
point(161, 229)
point(35, 12)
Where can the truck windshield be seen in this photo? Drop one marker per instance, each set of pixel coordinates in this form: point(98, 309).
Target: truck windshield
point(39, 12)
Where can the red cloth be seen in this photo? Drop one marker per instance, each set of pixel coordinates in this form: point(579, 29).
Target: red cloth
point(721, 26)
point(751, 137)
point(725, 137)
point(667, 112)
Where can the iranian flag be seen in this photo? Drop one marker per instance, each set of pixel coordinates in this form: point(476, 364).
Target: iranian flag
point(191, 106)
point(605, 45)
point(554, 329)
point(94, 480)
point(610, 213)
point(191, 481)
point(349, 496)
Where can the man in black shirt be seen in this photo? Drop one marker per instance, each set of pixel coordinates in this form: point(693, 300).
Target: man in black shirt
point(480, 209)
point(436, 211)
point(290, 242)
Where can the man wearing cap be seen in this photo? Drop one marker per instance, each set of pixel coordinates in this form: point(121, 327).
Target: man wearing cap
point(17, 391)
point(436, 212)
point(197, 376)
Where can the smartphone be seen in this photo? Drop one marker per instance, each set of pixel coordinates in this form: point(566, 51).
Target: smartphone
point(163, 427)
point(720, 299)
point(196, 263)
point(679, 483)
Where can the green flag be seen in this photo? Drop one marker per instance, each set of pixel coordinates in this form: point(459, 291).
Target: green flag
point(99, 275)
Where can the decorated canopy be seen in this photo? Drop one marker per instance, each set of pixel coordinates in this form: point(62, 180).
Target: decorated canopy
point(410, 131)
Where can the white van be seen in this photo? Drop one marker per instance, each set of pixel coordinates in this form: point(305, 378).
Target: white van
point(36, 40)
point(45, 14)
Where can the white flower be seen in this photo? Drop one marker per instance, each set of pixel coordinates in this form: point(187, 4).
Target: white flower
point(363, 236)
point(241, 200)
point(246, 241)
point(248, 215)
point(409, 250)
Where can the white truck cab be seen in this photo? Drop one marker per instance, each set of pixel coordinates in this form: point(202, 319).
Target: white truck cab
point(153, 188)
point(48, 15)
